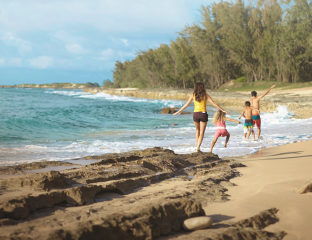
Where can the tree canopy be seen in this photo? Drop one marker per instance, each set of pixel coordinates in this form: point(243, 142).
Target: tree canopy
point(269, 40)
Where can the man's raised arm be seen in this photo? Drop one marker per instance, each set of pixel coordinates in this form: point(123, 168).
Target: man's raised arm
point(266, 92)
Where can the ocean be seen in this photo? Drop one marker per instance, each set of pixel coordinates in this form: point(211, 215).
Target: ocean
point(48, 124)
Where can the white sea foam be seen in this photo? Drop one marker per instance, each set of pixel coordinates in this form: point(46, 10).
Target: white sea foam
point(113, 98)
point(68, 93)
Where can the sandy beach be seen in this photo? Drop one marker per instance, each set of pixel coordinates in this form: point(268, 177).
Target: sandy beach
point(272, 178)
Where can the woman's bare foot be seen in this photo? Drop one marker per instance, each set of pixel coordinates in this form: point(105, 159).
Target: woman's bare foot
point(198, 150)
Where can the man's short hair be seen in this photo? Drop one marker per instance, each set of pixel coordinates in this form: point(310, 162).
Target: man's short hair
point(247, 104)
point(254, 94)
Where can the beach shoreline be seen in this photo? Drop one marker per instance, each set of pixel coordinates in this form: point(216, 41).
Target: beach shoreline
point(297, 100)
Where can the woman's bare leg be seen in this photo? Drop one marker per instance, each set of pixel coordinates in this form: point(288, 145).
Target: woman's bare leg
point(213, 143)
point(197, 126)
point(227, 140)
point(201, 134)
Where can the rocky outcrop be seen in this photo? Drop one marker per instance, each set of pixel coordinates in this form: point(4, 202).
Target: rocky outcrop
point(246, 229)
point(169, 110)
point(259, 221)
point(136, 195)
point(18, 169)
point(45, 181)
point(306, 188)
point(148, 222)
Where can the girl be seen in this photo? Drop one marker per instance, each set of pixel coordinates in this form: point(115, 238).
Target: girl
point(200, 116)
point(219, 120)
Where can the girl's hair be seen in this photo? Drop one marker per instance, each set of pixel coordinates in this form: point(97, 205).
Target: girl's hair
point(218, 117)
point(200, 92)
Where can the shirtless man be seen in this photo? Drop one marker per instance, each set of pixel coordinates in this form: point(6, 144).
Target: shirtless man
point(255, 102)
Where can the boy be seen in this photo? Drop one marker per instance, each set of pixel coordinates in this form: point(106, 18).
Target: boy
point(248, 126)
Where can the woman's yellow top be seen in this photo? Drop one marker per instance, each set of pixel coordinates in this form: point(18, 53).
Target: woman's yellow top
point(200, 106)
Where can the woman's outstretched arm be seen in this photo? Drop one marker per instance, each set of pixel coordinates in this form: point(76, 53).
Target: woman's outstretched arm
point(215, 104)
point(185, 105)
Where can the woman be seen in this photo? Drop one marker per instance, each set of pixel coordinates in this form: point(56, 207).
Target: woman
point(200, 116)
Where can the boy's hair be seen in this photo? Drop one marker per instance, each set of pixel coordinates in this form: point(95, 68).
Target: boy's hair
point(247, 104)
point(254, 94)
point(218, 117)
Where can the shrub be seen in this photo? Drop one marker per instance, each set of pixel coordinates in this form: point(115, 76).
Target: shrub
point(241, 79)
point(107, 83)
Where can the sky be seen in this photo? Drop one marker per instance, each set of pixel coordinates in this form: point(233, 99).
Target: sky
point(79, 41)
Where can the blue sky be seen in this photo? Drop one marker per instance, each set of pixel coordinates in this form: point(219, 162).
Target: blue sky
point(45, 41)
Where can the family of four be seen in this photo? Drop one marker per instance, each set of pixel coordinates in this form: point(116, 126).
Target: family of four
point(251, 113)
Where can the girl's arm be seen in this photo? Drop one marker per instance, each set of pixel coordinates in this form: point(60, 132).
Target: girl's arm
point(232, 120)
point(185, 105)
point(215, 104)
point(242, 115)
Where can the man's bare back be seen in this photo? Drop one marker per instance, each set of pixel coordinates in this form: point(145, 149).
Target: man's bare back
point(255, 103)
point(255, 100)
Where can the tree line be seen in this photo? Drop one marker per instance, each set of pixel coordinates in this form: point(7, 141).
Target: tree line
point(270, 40)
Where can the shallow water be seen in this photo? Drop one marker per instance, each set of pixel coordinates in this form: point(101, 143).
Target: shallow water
point(41, 124)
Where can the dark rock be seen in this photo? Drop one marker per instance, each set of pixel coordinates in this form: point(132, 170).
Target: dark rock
point(172, 111)
point(168, 110)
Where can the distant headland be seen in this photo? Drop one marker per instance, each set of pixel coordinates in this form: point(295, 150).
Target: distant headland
point(54, 85)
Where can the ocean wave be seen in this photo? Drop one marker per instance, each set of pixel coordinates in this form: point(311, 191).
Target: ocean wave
point(113, 98)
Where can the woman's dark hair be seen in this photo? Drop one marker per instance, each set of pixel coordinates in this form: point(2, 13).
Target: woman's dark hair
point(200, 92)
point(254, 94)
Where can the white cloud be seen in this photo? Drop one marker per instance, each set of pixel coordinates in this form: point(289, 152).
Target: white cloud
point(105, 54)
point(76, 48)
point(2, 61)
point(22, 45)
point(125, 41)
point(42, 62)
point(16, 61)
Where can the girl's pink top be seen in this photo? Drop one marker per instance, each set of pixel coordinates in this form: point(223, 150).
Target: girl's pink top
point(220, 124)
